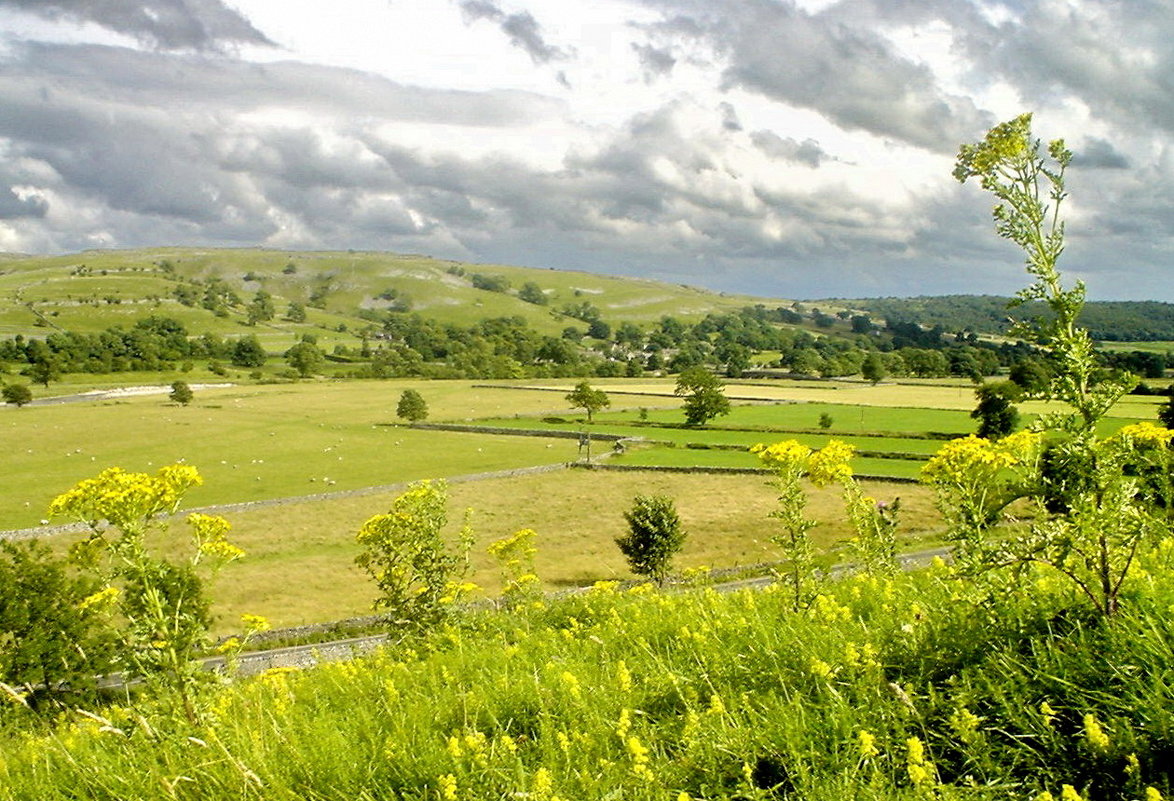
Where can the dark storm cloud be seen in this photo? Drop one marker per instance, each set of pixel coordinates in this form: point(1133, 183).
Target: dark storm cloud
point(165, 24)
point(521, 28)
point(787, 149)
point(848, 73)
point(126, 143)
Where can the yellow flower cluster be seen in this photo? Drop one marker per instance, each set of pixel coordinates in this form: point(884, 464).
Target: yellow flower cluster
point(784, 457)
point(964, 460)
point(1094, 734)
point(829, 465)
point(125, 500)
point(1145, 434)
point(792, 459)
point(921, 771)
point(100, 598)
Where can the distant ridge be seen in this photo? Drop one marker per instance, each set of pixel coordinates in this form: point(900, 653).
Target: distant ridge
point(1108, 320)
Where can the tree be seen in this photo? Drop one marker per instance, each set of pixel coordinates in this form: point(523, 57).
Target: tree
point(411, 406)
point(17, 394)
point(1032, 375)
point(1166, 413)
point(296, 312)
point(248, 352)
point(53, 624)
point(181, 393)
point(586, 397)
point(873, 368)
point(306, 358)
point(995, 412)
point(704, 399)
point(532, 293)
point(42, 371)
point(261, 308)
point(655, 536)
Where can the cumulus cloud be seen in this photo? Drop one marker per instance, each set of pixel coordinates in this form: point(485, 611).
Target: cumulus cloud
point(848, 73)
point(164, 24)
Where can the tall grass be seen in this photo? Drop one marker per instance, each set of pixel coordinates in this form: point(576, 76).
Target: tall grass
point(918, 687)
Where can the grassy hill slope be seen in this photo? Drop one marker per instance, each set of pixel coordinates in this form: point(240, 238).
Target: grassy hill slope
point(93, 290)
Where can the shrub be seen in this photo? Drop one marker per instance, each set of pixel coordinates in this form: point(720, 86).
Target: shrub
point(655, 536)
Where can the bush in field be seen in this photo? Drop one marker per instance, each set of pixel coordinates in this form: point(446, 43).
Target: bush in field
point(54, 629)
point(418, 573)
point(654, 536)
point(411, 406)
point(17, 394)
point(161, 603)
point(181, 393)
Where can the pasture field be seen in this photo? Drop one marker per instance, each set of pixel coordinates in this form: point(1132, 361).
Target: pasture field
point(259, 442)
point(262, 442)
point(300, 567)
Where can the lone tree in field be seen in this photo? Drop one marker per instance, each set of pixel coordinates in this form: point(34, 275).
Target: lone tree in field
point(655, 536)
point(181, 393)
point(584, 396)
point(17, 394)
point(996, 411)
point(704, 399)
point(411, 406)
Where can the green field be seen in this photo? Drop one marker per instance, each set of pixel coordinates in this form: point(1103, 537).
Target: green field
point(314, 438)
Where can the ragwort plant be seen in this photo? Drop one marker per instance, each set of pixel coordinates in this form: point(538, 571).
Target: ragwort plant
point(163, 610)
point(1090, 525)
point(419, 575)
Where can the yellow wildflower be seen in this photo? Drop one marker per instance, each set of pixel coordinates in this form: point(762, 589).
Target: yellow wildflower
point(99, 598)
point(1144, 433)
point(866, 742)
point(1068, 793)
point(1094, 734)
point(829, 464)
point(1152, 794)
point(448, 787)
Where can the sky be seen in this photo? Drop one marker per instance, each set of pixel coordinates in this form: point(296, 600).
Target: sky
point(783, 148)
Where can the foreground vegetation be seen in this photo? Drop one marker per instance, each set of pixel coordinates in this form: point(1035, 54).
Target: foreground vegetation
point(920, 686)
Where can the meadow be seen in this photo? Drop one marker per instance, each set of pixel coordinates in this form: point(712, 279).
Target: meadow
point(922, 686)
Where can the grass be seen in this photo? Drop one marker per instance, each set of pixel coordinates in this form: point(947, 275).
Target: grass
point(922, 686)
point(299, 567)
point(259, 442)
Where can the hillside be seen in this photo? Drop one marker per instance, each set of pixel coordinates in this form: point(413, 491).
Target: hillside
point(91, 291)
